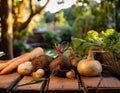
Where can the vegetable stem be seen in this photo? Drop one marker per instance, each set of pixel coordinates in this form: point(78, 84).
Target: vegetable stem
point(36, 80)
point(90, 55)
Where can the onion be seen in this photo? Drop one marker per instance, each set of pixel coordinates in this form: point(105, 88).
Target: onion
point(90, 66)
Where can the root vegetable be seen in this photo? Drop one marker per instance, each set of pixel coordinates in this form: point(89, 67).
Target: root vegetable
point(70, 74)
point(41, 62)
point(60, 66)
point(90, 66)
point(74, 60)
point(13, 63)
point(39, 73)
point(36, 52)
point(5, 64)
point(25, 68)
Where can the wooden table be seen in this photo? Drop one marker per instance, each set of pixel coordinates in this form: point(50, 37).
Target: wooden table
point(109, 84)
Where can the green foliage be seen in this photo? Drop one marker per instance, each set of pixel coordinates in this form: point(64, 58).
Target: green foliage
point(20, 48)
point(51, 37)
point(111, 41)
point(48, 17)
point(108, 40)
point(24, 35)
point(21, 13)
point(60, 19)
point(97, 16)
point(77, 47)
point(93, 37)
point(81, 25)
point(66, 33)
point(118, 19)
point(69, 16)
point(83, 1)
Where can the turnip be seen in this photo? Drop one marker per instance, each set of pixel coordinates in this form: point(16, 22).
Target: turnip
point(89, 66)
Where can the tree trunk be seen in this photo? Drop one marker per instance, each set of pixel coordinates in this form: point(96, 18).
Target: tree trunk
point(6, 29)
point(6, 43)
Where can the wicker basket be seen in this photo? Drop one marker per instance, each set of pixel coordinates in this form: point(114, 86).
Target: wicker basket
point(112, 62)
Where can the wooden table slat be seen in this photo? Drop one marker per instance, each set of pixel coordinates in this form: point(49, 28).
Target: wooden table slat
point(7, 79)
point(58, 83)
point(26, 79)
point(110, 84)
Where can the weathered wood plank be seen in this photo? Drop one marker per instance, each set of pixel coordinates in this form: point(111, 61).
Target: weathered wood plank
point(27, 79)
point(110, 84)
point(63, 84)
point(5, 80)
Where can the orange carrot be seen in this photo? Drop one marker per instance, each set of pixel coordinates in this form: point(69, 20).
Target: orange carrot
point(25, 57)
point(14, 65)
point(3, 65)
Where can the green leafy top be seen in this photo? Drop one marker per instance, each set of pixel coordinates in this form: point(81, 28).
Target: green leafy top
point(111, 41)
point(108, 40)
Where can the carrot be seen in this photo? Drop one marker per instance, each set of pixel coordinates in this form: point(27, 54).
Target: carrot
point(3, 65)
point(17, 61)
point(14, 65)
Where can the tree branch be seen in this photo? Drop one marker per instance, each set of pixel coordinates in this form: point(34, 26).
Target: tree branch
point(42, 8)
point(24, 25)
point(31, 6)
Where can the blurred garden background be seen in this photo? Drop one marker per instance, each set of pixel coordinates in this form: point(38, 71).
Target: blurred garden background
point(26, 24)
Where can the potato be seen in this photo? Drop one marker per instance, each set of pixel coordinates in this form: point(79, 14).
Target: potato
point(25, 68)
point(70, 74)
point(39, 73)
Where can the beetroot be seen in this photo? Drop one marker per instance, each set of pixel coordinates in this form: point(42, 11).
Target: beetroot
point(60, 66)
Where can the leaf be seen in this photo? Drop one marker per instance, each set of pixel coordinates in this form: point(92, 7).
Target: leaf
point(108, 40)
point(92, 33)
point(2, 53)
point(66, 53)
point(36, 80)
